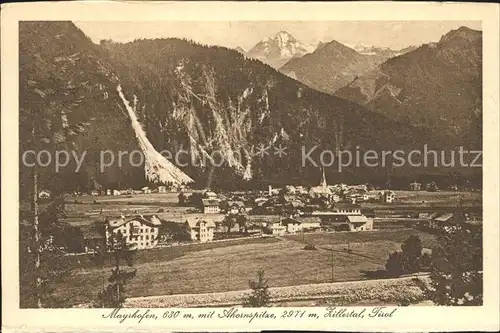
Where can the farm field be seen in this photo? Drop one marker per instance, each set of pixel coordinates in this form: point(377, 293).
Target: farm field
point(86, 209)
point(423, 199)
point(363, 238)
point(207, 268)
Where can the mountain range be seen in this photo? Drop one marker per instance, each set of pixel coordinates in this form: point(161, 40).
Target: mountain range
point(173, 94)
point(381, 54)
point(154, 95)
point(326, 66)
point(436, 86)
point(333, 65)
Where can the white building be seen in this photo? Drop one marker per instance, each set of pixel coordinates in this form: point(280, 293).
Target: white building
point(310, 223)
point(292, 225)
point(235, 207)
point(210, 195)
point(140, 231)
point(343, 209)
point(441, 221)
point(200, 229)
point(359, 223)
point(277, 229)
point(388, 196)
point(211, 206)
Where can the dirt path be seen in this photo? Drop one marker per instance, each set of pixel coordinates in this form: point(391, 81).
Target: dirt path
point(298, 294)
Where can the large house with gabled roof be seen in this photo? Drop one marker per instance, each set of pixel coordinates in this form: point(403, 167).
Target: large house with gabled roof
point(200, 229)
point(140, 231)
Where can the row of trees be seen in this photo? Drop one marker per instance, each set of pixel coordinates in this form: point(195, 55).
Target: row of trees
point(455, 266)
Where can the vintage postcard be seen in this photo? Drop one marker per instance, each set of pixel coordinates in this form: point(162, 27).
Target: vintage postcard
point(238, 166)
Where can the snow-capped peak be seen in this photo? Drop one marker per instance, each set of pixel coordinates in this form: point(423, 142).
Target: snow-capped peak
point(279, 48)
point(284, 37)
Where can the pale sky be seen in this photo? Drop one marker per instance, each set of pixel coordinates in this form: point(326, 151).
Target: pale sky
point(393, 34)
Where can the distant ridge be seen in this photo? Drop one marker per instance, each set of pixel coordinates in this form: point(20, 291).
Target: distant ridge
point(437, 86)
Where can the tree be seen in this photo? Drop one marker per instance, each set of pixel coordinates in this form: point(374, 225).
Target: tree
point(38, 284)
point(394, 264)
point(113, 295)
point(229, 222)
point(408, 260)
point(412, 252)
point(51, 95)
point(182, 199)
point(41, 265)
point(457, 267)
point(242, 220)
point(260, 296)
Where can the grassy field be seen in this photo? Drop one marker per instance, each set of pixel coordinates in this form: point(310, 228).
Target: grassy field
point(208, 268)
point(151, 256)
point(363, 238)
point(86, 209)
point(424, 199)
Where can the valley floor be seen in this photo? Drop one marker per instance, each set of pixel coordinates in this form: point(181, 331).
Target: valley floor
point(228, 266)
point(221, 267)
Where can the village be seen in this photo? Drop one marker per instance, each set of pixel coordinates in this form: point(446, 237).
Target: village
point(207, 216)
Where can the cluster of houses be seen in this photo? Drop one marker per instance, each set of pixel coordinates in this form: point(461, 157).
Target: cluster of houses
point(143, 190)
point(277, 212)
point(145, 232)
point(290, 200)
point(429, 187)
point(343, 217)
point(209, 202)
point(440, 220)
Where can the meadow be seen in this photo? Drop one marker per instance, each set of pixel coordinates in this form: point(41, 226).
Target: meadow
point(225, 266)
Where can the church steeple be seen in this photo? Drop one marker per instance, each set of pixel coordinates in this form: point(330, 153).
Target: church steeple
point(323, 181)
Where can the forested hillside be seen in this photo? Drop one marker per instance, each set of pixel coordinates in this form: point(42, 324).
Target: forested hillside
point(437, 86)
point(68, 101)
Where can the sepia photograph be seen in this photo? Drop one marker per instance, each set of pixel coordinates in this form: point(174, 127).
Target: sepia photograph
point(260, 163)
